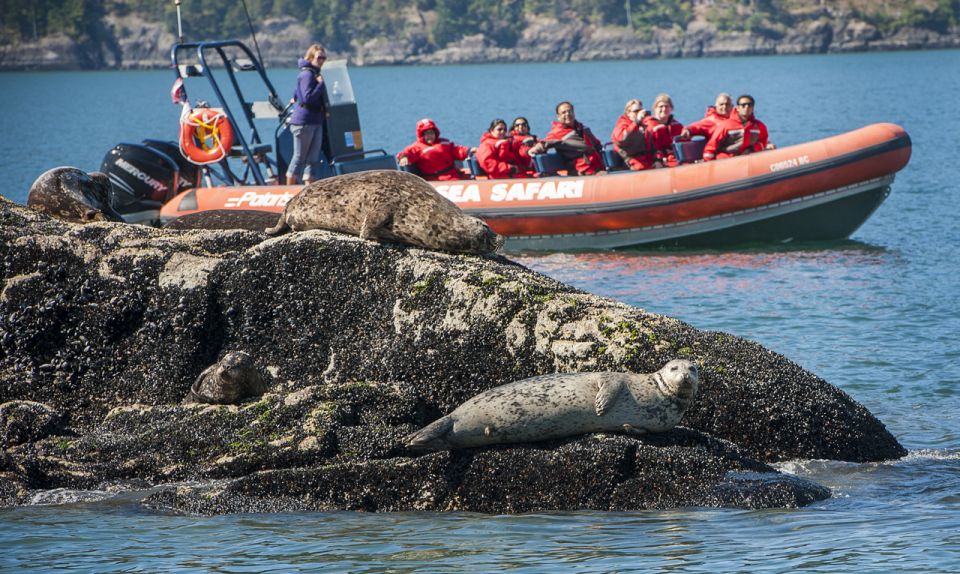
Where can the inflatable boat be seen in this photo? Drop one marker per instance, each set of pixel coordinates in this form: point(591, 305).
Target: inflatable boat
point(819, 190)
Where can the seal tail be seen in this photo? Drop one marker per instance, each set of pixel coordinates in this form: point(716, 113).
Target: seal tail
point(431, 437)
point(280, 228)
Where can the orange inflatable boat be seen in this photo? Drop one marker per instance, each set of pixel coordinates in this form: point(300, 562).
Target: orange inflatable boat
point(820, 190)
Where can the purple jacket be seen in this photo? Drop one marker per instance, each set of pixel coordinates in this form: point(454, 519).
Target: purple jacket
point(310, 96)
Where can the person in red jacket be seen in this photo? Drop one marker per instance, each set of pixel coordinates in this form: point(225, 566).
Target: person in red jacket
point(574, 141)
point(715, 114)
point(633, 137)
point(667, 129)
point(741, 133)
point(524, 140)
point(432, 155)
point(498, 154)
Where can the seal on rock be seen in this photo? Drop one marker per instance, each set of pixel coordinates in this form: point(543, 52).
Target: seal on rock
point(387, 205)
point(228, 381)
point(560, 405)
point(73, 195)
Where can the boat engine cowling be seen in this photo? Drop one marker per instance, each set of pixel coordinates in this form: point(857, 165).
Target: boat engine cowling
point(142, 179)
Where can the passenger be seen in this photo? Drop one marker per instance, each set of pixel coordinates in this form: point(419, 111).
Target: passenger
point(668, 129)
point(306, 120)
point(714, 115)
point(434, 156)
point(740, 134)
point(523, 140)
point(633, 137)
point(498, 153)
point(573, 141)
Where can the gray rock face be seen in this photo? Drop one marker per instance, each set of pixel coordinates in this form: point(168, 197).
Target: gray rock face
point(139, 44)
point(110, 324)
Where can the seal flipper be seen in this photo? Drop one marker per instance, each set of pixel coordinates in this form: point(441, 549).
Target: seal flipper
point(280, 228)
point(607, 392)
point(375, 220)
point(432, 436)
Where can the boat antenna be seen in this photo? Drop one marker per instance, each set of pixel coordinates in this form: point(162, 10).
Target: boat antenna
point(252, 33)
point(179, 23)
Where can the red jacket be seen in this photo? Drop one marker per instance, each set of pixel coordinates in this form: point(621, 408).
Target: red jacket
point(634, 142)
point(523, 143)
point(435, 162)
point(497, 156)
point(711, 119)
point(663, 134)
point(576, 144)
point(734, 137)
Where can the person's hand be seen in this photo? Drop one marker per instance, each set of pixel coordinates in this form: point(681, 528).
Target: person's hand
point(771, 146)
point(684, 134)
point(403, 161)
point(642, 114)
point(473, 151)
point(537, 149)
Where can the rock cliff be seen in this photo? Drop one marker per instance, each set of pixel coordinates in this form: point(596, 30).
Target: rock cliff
point(104, 327)
point(135, 43)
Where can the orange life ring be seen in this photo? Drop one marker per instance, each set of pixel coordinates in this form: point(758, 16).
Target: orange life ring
point(205, 136)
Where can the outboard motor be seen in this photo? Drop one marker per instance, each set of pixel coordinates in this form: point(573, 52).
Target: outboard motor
point(142, 179)
point(190, 172)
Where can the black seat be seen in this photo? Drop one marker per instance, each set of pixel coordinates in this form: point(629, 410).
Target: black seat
point(611, 159)
point(550, 163)
point(689, 151)
point(474, 165)
point(353, 163)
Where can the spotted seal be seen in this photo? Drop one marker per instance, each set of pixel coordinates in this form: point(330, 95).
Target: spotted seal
point(73, 195)
point(560, 405)
point(387, 205)
point(228, 381)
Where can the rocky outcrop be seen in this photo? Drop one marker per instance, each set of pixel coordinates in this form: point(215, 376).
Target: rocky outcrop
point(134, 43)
point(108, 325)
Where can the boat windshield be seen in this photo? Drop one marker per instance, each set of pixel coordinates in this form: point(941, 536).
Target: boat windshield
point(337, 79)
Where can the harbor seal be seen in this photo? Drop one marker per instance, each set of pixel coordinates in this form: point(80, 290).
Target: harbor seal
point(560, 405)
point(228, 381)
point(73, 195)
point(387, 205)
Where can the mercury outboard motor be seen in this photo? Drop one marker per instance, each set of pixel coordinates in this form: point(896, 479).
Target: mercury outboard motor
point(142, 179)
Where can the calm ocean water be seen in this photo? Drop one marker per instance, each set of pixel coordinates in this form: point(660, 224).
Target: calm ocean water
point(878, 316)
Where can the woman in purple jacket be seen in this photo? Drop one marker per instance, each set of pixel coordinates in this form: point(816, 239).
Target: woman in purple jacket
point(306, 120)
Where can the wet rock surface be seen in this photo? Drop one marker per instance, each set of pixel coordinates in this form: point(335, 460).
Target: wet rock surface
point(108, 325)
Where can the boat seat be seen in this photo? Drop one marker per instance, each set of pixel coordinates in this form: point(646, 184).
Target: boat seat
point(410, 168)
point(549, 163)
point(474, 166)
point(354, 163)
point(689, 151)
point(611, 159)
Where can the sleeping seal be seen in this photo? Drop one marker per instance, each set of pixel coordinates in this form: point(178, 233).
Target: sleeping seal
point(71, 194)
point(560, 405)
point(387, 205)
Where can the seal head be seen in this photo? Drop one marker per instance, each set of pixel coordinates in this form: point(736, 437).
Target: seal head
point(71, 194)
point(228, 381)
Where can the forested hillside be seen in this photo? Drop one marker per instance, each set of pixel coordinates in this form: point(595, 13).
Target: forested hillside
point(414, 28)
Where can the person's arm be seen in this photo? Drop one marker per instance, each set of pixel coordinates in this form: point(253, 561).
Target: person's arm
point(710, 150)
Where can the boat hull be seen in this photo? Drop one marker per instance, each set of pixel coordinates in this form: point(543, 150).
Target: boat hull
point(821, 190)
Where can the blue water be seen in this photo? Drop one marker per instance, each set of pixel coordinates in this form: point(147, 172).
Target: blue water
point(878, 316)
